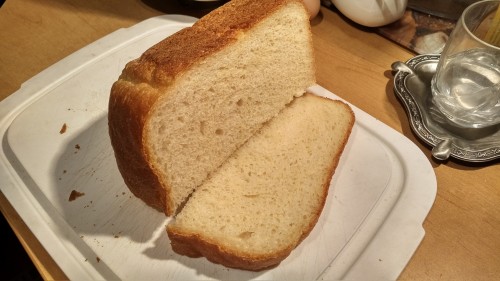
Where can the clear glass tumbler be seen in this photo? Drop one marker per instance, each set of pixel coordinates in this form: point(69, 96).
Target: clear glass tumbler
point(466, 86)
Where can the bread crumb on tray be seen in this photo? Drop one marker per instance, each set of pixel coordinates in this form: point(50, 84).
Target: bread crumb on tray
point(74, 195)
point(63, 129)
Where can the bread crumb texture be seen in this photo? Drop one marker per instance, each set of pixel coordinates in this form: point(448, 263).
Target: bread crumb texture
point(268, 196)
point(220, 102)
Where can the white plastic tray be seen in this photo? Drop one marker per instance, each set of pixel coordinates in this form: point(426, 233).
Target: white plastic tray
point(370, 227)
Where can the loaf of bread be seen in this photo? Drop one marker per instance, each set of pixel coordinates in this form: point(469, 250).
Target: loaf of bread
point(212, 125)
point(254, 210)
point(180, 110)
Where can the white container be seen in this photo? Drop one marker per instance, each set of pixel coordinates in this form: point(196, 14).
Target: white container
point(371, 225)
point(372, 13)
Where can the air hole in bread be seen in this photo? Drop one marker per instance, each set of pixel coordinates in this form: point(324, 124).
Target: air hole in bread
point(202, 127)
point(239, 102)
point(245, 235)
point(219, 132)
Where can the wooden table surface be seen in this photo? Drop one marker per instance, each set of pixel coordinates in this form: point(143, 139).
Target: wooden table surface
point(462, 240)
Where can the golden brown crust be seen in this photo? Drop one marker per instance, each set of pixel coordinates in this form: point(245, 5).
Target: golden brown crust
point(193, 245)
point(163, 62)
point(128, 106)
point(145, 79)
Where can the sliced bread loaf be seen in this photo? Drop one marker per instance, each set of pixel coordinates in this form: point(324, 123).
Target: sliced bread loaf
point(254, 210)
point(181, 109)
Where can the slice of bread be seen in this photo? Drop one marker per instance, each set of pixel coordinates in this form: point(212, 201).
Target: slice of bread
point(262, 202)
point(181, 109)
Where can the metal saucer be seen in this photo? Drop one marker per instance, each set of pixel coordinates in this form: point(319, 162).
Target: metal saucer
point(412, 85)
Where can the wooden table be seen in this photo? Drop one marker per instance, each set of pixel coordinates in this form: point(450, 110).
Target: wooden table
point(462, 239)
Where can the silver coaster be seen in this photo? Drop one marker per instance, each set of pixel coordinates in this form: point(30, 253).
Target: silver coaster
point(412, 85)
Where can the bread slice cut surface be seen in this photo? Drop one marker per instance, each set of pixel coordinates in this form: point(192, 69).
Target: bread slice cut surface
point(178, 112)
point(254, 210)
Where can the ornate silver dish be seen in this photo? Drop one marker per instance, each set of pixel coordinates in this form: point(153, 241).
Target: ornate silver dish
point(412, 85)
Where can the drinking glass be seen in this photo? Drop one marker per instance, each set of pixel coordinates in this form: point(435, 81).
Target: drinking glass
point(466, 86)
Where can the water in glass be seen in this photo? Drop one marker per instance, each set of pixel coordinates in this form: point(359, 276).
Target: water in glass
point(468, 89)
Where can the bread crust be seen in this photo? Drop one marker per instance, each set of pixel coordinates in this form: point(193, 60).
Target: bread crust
point(144, 80)
point(194, 245)
point(126, 121)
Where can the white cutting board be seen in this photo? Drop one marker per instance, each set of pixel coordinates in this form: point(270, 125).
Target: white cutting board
point(370, 227)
